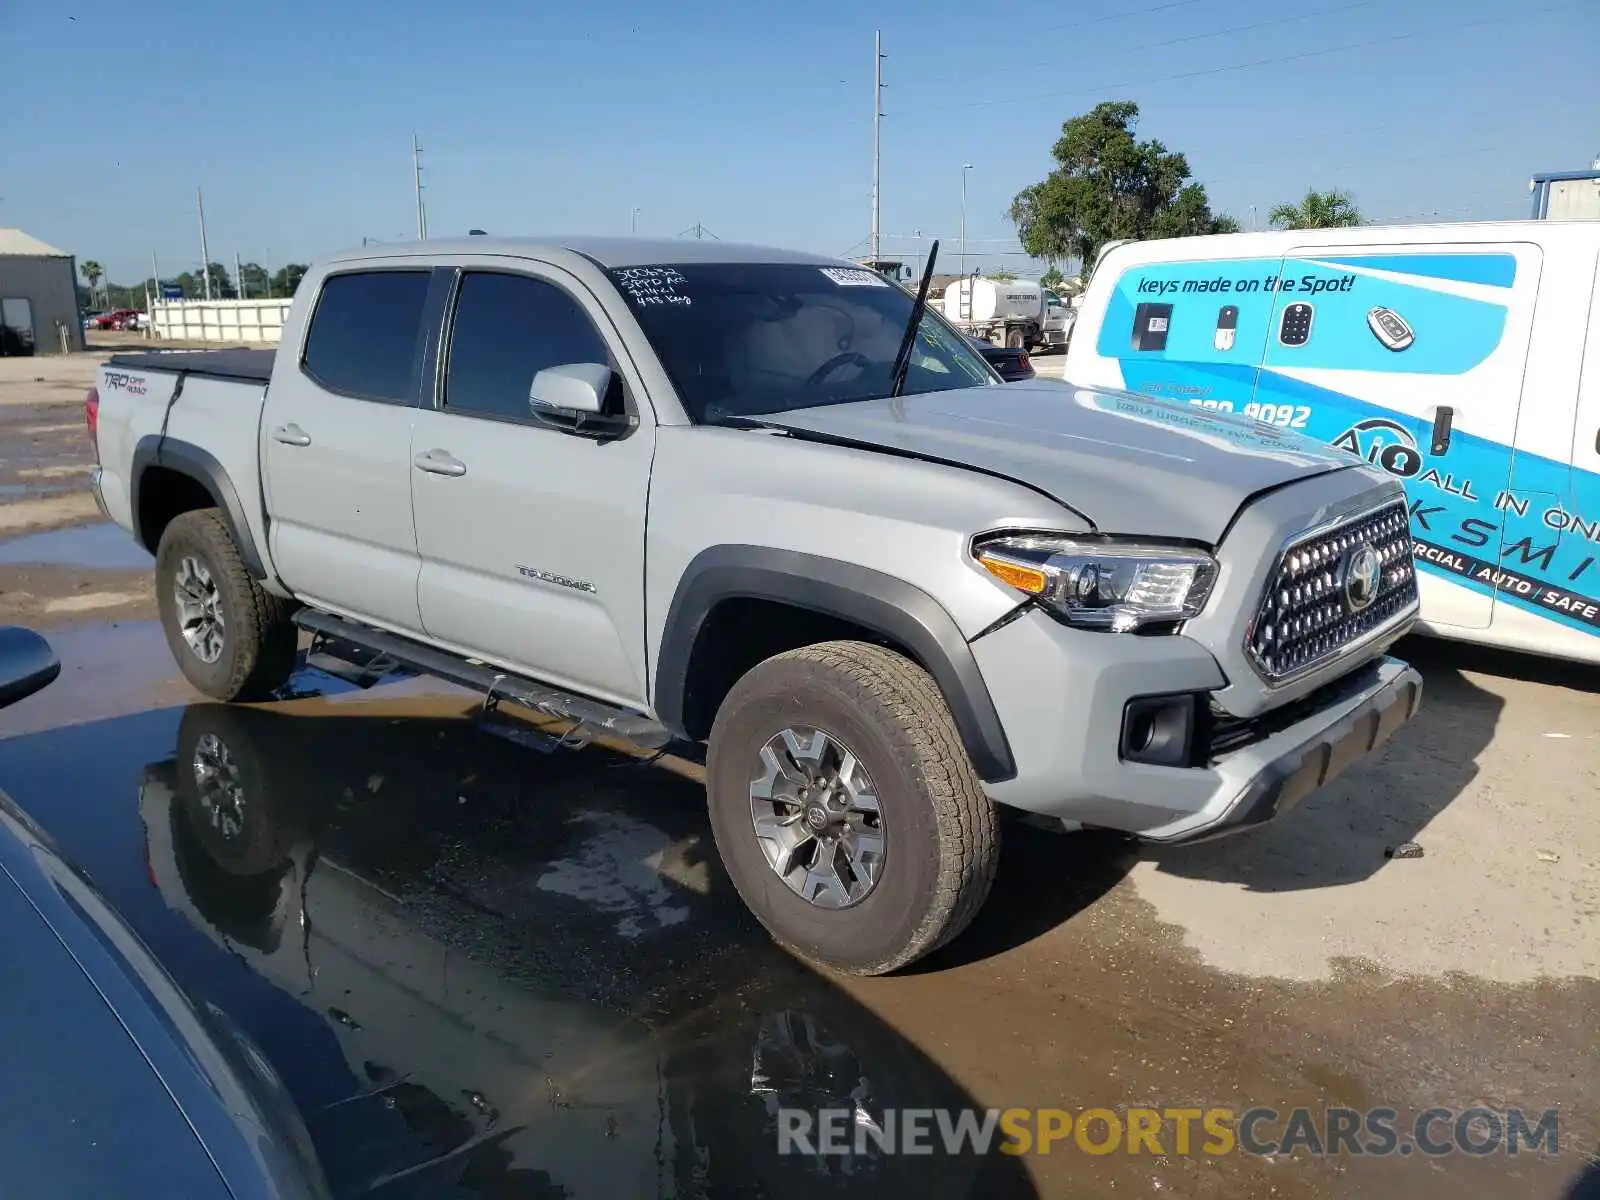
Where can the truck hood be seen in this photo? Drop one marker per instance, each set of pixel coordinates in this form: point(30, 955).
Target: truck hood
point(1127, 464)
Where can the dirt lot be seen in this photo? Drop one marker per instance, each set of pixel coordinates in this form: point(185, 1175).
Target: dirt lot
point(1298, 965)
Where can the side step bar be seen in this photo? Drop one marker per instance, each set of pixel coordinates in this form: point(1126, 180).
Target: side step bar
point(329, 632)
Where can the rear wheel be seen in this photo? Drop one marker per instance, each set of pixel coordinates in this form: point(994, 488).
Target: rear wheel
point(1016, 339)
point(231, 639)
point(845, 808)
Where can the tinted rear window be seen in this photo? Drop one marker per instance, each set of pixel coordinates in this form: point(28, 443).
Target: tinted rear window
point(363, 338)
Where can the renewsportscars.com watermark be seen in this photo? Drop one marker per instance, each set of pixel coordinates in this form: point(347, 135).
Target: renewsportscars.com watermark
point(1432, 1132)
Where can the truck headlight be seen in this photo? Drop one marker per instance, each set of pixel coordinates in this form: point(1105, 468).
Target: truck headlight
point(1120, 586)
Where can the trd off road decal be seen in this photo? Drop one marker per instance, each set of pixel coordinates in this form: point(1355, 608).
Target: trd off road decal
point(1354, 349)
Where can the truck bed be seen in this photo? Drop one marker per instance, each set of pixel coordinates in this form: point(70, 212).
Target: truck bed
point(250, 366)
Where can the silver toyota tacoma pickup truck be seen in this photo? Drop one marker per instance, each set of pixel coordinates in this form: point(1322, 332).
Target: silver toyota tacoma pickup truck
point(690, 492)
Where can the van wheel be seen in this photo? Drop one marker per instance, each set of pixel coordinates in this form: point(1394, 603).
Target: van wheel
point(1016, 339)
point(231, 639)
point(845, 808)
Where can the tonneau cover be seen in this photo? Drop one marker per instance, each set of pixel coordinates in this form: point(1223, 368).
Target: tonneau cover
point(252, 366)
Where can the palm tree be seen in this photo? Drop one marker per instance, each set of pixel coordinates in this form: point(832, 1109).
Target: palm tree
point(1319, 210)
point(93, 272)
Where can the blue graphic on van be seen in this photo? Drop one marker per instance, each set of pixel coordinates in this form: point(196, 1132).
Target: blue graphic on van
point(1303, 313)
point(1532, 541)
point(1519, 527)
point(1494, 270)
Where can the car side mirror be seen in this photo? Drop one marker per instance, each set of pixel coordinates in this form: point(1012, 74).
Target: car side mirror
point(577, 388)
point(27, 664)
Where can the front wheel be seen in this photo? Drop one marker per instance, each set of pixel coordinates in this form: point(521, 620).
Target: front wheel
point(845, 808)
point(231, 639)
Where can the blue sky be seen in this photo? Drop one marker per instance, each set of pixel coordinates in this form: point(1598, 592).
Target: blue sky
point(755, 120)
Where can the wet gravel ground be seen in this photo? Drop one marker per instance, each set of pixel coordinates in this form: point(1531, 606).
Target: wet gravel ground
point(468, 876)
point(486, 969)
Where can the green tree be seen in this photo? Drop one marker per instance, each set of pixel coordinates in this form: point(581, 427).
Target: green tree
point(93, 273)
point(253, 278)
point(287, 278)
point(1003, 276)
point(1052, 278)
point(1106, 186)
point(222, 283)
point(1319, 210)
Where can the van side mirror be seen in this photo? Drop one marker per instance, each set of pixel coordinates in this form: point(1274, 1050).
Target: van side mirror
point(27, 664)
point(577, 388)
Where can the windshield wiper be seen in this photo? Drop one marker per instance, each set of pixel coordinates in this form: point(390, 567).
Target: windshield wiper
point(902, 360)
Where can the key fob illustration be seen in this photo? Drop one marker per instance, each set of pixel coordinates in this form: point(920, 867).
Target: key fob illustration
point(1227, 327)
point(1390, 328)
point(1150, 325)
point(1295, 328)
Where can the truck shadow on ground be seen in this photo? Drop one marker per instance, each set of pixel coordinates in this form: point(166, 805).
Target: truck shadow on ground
point(476, 965)
point(1337, 836)
point(1340, 834)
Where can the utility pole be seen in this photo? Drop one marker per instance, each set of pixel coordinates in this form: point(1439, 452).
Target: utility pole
point(416, 173)
point(155, 273)
point(205, 251)
point(636, 220)
point(238, 277)
point(877, 119)
point(1252, 218)
point(965, 167)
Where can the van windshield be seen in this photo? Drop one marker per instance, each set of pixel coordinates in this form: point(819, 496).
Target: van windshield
point(749, 339)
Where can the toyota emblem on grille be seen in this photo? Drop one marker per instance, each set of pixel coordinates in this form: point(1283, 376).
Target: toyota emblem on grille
point(1362, 571)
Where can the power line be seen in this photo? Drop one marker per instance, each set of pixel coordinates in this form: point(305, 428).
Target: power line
point(1119, 16)
point(1192, 37)
point(1145, 80)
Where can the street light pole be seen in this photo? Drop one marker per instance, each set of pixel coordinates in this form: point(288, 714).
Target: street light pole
point(965, 167)
point(636, 220)
point(877, 118)
point(205, 252)
point(416, 175)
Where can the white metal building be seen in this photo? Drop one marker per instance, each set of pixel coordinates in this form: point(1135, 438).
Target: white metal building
point(38, 297)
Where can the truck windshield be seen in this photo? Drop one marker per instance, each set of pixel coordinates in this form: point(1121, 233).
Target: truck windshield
point(748, 339)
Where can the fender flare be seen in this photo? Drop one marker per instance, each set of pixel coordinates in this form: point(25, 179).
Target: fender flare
point(890, 607)
point(153, 450)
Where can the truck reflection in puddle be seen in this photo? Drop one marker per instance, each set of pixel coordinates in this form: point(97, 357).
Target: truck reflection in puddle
point(526, 960)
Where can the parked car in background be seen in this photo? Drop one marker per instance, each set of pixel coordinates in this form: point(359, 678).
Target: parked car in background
point(1012, 362)
point(120, 1084)
point(121, 318)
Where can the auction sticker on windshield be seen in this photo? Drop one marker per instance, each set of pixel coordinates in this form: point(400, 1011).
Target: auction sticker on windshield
point(848, 278)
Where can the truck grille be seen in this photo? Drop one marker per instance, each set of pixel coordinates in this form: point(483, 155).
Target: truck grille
point(1332, 589)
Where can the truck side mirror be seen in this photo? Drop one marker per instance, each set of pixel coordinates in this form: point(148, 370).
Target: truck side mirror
point(572, 388)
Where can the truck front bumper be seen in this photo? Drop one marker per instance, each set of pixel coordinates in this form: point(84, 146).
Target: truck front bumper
point(1062, 693)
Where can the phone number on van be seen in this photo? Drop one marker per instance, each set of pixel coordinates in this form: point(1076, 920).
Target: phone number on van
point(1290, 416)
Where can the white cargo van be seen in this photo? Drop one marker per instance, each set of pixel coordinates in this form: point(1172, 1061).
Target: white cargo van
point(1464, 359)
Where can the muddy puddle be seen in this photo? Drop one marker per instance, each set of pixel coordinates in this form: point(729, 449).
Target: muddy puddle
point(486, 969)
point(101, 545)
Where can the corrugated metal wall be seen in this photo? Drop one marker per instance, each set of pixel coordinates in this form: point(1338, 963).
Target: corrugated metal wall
point(49, 285)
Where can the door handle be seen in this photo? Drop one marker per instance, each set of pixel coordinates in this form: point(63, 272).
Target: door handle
point(1443, 418)
point(440, 462)
point(291, 435)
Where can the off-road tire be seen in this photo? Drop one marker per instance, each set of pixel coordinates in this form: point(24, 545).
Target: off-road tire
point(271, 820)
point(259, 639)
point(941, 831)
